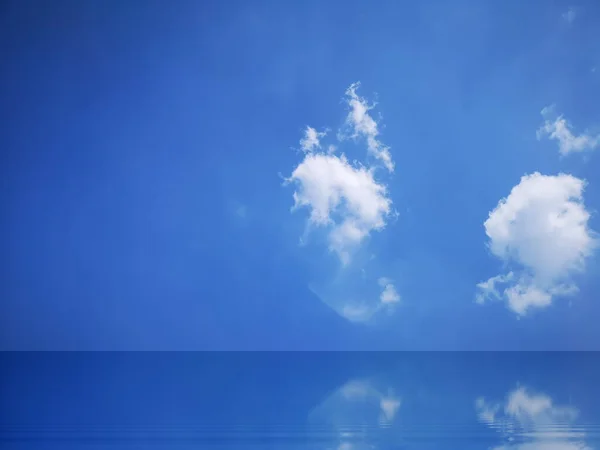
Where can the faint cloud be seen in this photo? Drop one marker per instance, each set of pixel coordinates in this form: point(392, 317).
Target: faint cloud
point(359, 312)
point(237, 210)
point(357, 389)
point(542, 229)
point(389, 407)
point(363, 312)
point(389, 294)
point(545, 445)
point(570, 15)
point(486, 412)
point(556, 127)
point(241, 211)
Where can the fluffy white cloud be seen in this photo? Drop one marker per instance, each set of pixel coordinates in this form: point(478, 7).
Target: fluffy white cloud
point(534, 416)
point(341, 196)
point(559, 129)
point(542, 227)
point(348, 202)
point(363, 125)
point(311, 139)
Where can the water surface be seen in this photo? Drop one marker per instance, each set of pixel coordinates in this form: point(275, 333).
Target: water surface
point(337, 401)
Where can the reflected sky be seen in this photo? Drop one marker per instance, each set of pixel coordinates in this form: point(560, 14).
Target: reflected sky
point(336, 401)
point(535, 417)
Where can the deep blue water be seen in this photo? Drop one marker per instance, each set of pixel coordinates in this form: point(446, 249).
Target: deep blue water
point(338, 401)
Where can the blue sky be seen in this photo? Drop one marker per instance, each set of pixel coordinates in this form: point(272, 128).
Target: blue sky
point(151, 154)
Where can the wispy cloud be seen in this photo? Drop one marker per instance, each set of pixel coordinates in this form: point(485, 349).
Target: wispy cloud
point(542, 229)
point(311, 139)
point(570, 15)
point(556, 127)
point(363, 125)
point(489, 288)
point(359, 312)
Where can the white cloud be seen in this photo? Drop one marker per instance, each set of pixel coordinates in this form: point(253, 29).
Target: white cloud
point(345, 198)
point(389, 294)
point(362, 124)
point(311, 139)
point(347, 202)
point(570, 15)
point(342, 196)
point(525, 295)
point(542, 228)
point(559, 129)
point(543, 223)
point(532, 416)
